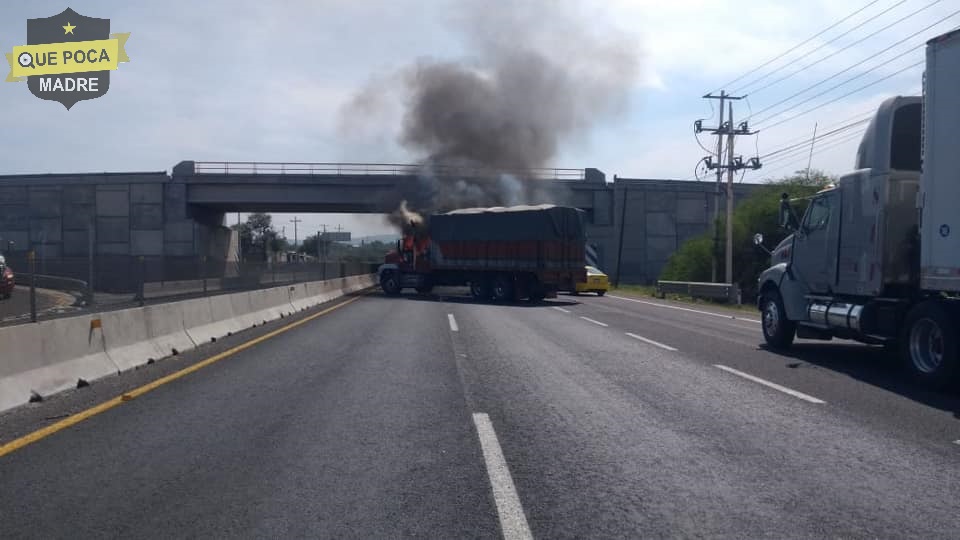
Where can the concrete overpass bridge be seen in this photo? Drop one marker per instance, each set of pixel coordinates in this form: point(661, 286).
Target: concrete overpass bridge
point(352, 187)
point(180, 216)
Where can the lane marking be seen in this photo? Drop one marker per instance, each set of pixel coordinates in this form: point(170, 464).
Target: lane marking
point(956, 441)
point(651, 342)
point(588, 319)
point(75, 419)
point(513, 522)
point(769, 384)
point(734, 317)
point(561, 309)
point(453, 323)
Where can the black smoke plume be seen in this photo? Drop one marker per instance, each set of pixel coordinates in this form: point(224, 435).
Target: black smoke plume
point(538, 74)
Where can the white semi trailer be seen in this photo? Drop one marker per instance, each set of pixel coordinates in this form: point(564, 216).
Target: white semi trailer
point(876, 256)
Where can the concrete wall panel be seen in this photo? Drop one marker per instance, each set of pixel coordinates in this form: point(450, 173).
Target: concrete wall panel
point(146, 242)
point(45, 229)
point(146, 217)
point(146, 193)
point(75, 243)
point(44, 202)
point(113, 229)
point(113, 202)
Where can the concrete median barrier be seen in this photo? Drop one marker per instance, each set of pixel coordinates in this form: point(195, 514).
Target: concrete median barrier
point(50, 356)
point(128, 342)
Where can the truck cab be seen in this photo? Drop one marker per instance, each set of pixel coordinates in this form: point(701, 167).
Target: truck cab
point(851, 266)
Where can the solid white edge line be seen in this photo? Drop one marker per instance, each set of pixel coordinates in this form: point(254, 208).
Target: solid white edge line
point(453, 323)
point(561, 309)
point(651, 342)
point(773, 385)
point(598, 323)
point(513, 522)
point(734, 317)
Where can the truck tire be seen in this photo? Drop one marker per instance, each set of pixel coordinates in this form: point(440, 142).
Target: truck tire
point(929, 344)
point(601, 293)
point(778, 331)
point(503, 288)
point(390, 283)
point(480, 289)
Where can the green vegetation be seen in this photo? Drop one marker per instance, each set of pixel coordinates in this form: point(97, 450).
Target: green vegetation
point(335, 251)
point(758, 213)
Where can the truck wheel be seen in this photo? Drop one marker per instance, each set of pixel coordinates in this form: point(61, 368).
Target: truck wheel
point(390, 283)
point(929, 344)
point(601, 293)
point(503, 289)
point(778, 331)
point(480, 289)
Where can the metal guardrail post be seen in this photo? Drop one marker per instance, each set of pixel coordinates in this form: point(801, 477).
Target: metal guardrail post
point(203, 273)
point(142, 278)
point(32, 257)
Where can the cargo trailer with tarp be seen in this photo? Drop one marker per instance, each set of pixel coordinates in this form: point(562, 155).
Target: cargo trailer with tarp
point(502, 253)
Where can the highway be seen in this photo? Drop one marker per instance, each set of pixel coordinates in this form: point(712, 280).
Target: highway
point(435, 416)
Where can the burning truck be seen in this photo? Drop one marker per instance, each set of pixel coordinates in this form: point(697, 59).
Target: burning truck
point(501, 253)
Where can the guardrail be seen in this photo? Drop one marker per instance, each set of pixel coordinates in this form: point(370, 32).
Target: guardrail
point(714, 291)
point(386, 169)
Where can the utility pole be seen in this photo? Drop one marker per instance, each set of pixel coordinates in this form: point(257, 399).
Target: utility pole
point(321, 251)
point(728, 259)
point(730, 164)
point(295, 220)
point(812, 142)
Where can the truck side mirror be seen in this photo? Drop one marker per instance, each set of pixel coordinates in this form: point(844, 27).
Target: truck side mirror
point(758, 241)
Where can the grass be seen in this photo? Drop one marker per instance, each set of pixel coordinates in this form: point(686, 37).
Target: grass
point(651, 292)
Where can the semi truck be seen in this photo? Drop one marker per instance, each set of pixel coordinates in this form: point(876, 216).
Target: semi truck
point(501, 253)
point(875, 257)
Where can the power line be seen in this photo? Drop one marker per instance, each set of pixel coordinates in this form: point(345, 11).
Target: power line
point(800, 155)
point(857, 64)
point(818, 146)
point(838, 51)
point(868, 114)
point(822, 45)
point(825, 135)
point(797, 46)
point(828, 90)
point(848, 94)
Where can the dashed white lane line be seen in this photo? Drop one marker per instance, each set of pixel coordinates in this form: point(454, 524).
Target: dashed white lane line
point(651, 342)
point(956, 441)
point(678, 308)
point(513, 522)
point(561, 309)
point(769, 384)
point(598, 323)
point(453, 323)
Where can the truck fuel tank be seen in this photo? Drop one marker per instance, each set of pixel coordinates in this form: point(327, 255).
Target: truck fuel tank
point(835, 314)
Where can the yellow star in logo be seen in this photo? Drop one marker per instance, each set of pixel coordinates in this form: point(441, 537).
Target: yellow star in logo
point(68, 29)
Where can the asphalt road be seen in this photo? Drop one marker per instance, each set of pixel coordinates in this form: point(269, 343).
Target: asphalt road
point(18, 305)
point(440, 417)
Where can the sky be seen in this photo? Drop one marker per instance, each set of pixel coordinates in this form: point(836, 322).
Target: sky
point(272, 82)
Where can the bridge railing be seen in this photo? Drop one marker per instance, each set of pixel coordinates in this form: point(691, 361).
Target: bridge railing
point(388, 169)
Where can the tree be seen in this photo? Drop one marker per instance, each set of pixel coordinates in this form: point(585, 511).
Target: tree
point(757, 213)
point(257, 237)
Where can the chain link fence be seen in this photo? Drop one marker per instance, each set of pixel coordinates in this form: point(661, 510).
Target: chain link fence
point(114, 281)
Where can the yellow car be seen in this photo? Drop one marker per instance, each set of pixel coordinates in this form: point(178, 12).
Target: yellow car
point(596, 282)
